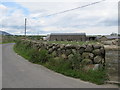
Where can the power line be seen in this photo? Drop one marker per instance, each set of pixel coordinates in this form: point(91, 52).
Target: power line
point(69, 10)
point(74, 8)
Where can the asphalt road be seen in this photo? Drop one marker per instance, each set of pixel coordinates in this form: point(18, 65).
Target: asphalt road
point(0, 66)
point(19, 73)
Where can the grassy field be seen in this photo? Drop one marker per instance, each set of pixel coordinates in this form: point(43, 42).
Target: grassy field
point(58, 64)
point(73, 42)
point(7, 39)
point(6, 42)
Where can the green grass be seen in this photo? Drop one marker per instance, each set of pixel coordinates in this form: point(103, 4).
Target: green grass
point(6, 42)
point(7, 39)
point(73, 42)
point(97, 77)
point(58, 65)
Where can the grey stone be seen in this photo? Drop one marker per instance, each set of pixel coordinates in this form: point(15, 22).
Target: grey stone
point(78, 47)
point(84, 46)
point(50, 46)
point(97, 52)
point(68, 46)
point(62, 46)
point(74, 51)
point(88, 67)
point(102, 51)
point(59, 51)
point(81, 50)
point(47, 48)
point(54, 53)
point(87, 55)
point(64, 56)
point(107, 42)
point(98, 66)
point(53, 44)
point(97, 60)
point(58, 46)
point(68, 51)
point(89, 48)
point(70, 56)
point(91, 55)
point(97, 46)
point(63, 51)
point(50, 50)
point(86, 61)
point(54, 48)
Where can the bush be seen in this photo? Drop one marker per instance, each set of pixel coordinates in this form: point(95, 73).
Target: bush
point(75, 61)
point(34, 56)
point(43, 55)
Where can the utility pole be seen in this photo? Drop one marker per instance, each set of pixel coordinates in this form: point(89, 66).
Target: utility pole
point(25, 25)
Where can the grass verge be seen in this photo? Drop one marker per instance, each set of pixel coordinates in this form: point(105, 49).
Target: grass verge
point(58, 64)
point(6, 42)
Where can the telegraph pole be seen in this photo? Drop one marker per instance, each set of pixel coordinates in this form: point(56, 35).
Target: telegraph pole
point(25, 25)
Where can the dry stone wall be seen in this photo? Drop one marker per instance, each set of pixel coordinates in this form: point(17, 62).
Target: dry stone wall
point(91, 54)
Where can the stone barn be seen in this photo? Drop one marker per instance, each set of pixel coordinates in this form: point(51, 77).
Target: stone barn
point(66, 37)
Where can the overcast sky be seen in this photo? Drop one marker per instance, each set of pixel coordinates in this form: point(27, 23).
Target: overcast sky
point(101, 18)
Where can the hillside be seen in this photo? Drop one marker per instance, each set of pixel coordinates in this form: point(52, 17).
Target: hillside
point(4, 33)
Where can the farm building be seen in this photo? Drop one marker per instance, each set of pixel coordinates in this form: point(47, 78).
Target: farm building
point(66, 37)
point(91, 38)
point(107, 37)
point(78, 37)
point(102, 38)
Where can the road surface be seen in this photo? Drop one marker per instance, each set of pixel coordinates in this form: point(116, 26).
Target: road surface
point(19, 73)
point(0, 66)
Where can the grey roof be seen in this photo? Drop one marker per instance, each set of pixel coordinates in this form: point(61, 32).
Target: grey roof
point(109, 37)
point(67, 34)
point(112, 37)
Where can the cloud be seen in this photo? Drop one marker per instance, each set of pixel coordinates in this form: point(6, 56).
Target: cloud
point(55, 0)
point(97, 19)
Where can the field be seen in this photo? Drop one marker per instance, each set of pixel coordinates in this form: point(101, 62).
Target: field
point(73, 42)
point(7, 39)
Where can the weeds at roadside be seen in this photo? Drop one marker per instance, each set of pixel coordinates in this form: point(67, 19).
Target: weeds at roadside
point(67, 67)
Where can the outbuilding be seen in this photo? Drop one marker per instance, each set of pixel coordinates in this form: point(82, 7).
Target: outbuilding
point(66, 37)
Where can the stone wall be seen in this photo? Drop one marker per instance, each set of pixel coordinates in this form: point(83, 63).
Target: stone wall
point(91, 54)
point(112, 60)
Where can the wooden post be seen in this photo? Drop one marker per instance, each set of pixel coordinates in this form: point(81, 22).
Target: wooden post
point(25, 26)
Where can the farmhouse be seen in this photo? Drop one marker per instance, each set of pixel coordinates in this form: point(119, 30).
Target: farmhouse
point(66, 37)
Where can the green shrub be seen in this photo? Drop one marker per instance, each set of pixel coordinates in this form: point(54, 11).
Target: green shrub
point(75, 61)
point(34, 55)
point(43, 55)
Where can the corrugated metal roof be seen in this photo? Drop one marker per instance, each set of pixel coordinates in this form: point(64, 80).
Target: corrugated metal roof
point(67, 34)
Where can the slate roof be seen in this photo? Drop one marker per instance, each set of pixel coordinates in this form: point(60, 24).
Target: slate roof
point(112, 37)
point(67, 34)
point(109, 37)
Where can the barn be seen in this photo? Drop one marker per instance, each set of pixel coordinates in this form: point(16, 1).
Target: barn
point(66, 37)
